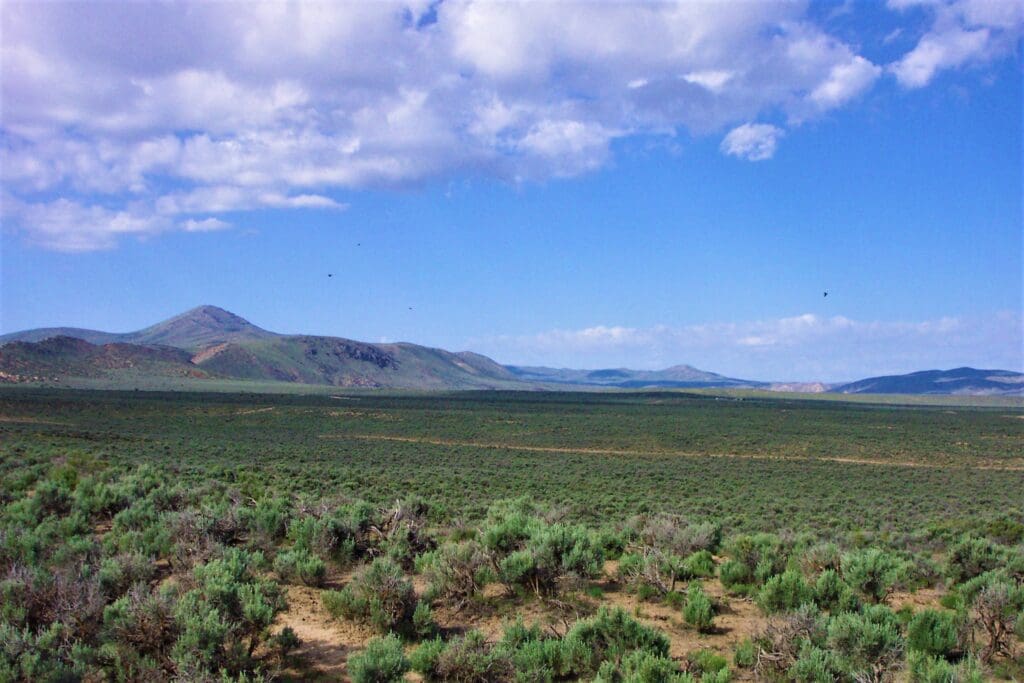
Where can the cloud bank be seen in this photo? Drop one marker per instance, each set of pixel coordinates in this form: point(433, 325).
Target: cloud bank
point(127, 119)
point(800, 348)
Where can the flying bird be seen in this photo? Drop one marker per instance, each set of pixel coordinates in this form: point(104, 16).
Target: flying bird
point(330, 274)
point(825, 294)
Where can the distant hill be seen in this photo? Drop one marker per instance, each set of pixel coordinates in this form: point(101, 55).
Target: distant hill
point(678, 376)
point(193, 330)
point(210, 343)
point(55, 359)
point(956, 381)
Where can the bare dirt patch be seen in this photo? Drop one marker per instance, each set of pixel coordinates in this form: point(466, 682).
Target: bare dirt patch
point(324, 642)
point(1011, 466)
point(19, 419)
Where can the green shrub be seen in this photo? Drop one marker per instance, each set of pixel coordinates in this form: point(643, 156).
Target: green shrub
point(933, 633)
point(423, 621)
point(744, 654)
point(816, 665)
point(302, 565)
point(471, 659)
point(378, 595)
point(784, 592)
point(833, 594)
point(383, 661)
point(642, 667)
point(925, 668)
point(698, 611)
point(286, 641)
point(820, 558)
point(971, 556)
point(762, 555)
point(871, 573)
point(424, 658)
point(609, 635)
point(735, 574)
point(700, 564)
point(455, 572)
point(868, 641)
point(706, 662)
point(535, 656)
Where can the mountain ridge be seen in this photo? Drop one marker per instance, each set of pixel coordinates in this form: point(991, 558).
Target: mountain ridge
point(208, 342)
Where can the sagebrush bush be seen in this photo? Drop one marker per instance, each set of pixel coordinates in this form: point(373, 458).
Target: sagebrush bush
point(833, 594)
point(378, 595)
point(301, 565)
point(640, 666)
point(869, 642)
point(455, 572)
point(971, 556)
point(934, 633)
point(925, 668)
point(784, 592)
point(382, 661)
point(871, 573)
point(609, 635)
point(471, 659)
point(816, 665)
point(744, 654)
point(698, 610)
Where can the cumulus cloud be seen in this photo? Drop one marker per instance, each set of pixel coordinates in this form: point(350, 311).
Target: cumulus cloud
point(752, 141)
point(963, 32)
point(292, 104)
point(804, 347)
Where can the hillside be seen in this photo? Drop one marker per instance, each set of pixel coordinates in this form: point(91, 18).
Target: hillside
point(55, 359)
point(191, 330)
point(210, 343)
point(679, 376)
point(956, 381)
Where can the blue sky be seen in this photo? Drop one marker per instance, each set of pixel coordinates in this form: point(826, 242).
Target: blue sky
point(658, 185)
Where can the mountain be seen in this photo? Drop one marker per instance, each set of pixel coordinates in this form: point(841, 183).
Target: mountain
point(57, 358)
point(210, 343)
point(678, 376)
point(193, 330)
point(956, 381)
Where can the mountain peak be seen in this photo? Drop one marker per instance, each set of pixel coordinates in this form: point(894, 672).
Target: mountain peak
point(201, 326)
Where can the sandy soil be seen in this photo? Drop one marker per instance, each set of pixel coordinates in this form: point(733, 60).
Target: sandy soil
point(326, 643)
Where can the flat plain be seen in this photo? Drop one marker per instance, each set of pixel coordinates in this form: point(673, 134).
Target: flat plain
point(782, 475)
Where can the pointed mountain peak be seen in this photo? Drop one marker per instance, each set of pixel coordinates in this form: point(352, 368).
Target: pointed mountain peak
point(199, 327)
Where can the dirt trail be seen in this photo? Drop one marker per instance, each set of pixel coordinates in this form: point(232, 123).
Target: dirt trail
point(32, 420)
point(254, 410)
point(680, 454)
point(325, 643)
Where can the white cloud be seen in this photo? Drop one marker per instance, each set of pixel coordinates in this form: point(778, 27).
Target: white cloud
point(752, 141)
point(963, 32)
point(844, 82)
point(937, 51)
point(204, 225)
point(804, 347)
point(291, 104)
point(65, 225)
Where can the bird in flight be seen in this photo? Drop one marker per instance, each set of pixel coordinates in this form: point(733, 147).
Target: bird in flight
point(825, 294)
point(330, 274)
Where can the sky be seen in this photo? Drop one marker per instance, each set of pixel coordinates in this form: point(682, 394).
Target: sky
point(567, 184)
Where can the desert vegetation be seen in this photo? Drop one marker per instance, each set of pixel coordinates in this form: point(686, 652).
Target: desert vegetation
point(658, 538)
